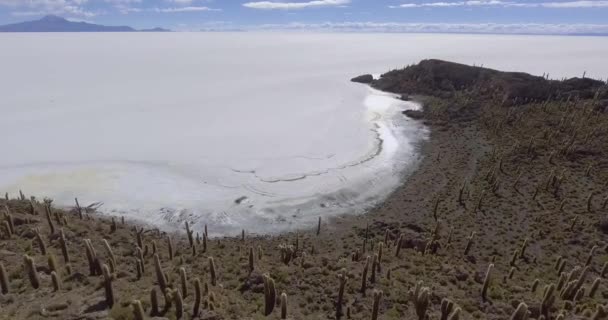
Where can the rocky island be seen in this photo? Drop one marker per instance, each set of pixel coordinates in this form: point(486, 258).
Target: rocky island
point(505, 218)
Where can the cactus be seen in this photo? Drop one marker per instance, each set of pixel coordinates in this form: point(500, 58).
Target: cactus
point(435, 209)
point(251, 260)
point(590, 257)
point(455, 315)
point(212, 271)
point(521, 313)
point(154, 311)
point(242, 235)
point(107, 281)
point(535, 285)
point(189, 233)
point(205, 240)
point(372, 278)
point(52, 263)
point(64, 246)
point(111, 256)
point(342, 279)
point(479, 202)
point(446, 308)
point(469, 243)
point(364, 276)
point(9, 233)
point(4, 284)
point(594, 287)
point(461, 193)
point(398, 245)
point(170, 248)
point(184, 280)
point(139, 237)
point(91, 257)
point(600, 313)
point(514, 257)
point(522, 252)
point(138, 310)
point(269, 295)
point(380, 249)
point(283, 305)
point(55, 280)
point(197, 298)
point(40, 241)
point(179, 305)
point(160, 276)
point(548, 300)
point(511, 272)
point(32, 273)
point(319, 227)
point(486, 282)
point(420, 297)
point(47, 207)
point(376, 305)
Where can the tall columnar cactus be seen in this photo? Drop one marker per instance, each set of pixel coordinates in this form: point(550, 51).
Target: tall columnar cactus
point(398, 244)
point(251, 260)
point(420, 297)
point(522, 251)
point(40, 241)
point(372, 278)
point(138, 310)
point(446, 308)
point(521, 313)
point(48, 211)
point(160, 276)
point(139, 237)
point(486, 282)
point(283, 305)
point(32, 273)
point(110, 253)
point(270, 295)
point(376, 305)
point(154, 310)
point(197, 298)
point(594, 287)
point(590, 257)
point(455, 314)
point(212, 271)
point(64, 246)
point(91, 257)
point(52, 262)
point(189, 233)
point(170, 248)
point(179, 305)
point(4, 284)
point(319, 226)
point(364, 276)
point(342, 278)
point(107, 282)
point(548, 300)
point(184, 280)
point(469, 243)
point(56, 281)
point(78, 208)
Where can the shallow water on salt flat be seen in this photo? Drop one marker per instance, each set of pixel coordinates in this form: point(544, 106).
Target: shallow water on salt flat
point(256, 131)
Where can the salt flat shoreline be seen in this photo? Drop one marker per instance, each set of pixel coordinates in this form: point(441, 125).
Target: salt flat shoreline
point(488, 223)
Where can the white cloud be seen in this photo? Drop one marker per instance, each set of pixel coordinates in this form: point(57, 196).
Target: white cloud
point(500, 3)
point(184, 9)
point(270, 5)
point(42, 7)
point(483, 28)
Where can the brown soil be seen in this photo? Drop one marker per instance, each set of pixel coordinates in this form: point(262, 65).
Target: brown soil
point(555, 150)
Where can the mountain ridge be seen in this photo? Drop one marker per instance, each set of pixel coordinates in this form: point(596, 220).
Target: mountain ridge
point(53, 23)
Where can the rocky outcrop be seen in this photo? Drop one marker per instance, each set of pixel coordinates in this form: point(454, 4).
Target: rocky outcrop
point(366, 78)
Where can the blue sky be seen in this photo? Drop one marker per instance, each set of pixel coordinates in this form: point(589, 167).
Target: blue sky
point(508, 16)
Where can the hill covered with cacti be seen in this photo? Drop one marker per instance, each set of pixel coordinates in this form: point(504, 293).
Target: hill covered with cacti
point(505, 218)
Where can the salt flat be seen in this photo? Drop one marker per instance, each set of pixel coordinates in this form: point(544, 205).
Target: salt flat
point(256, 131)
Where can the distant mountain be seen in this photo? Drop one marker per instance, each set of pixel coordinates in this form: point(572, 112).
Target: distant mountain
point(53, 23)
point(155, 30)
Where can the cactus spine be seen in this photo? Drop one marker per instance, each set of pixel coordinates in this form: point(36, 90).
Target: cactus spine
point(420, 298)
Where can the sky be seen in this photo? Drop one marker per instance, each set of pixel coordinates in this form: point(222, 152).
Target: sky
point(473, 16)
